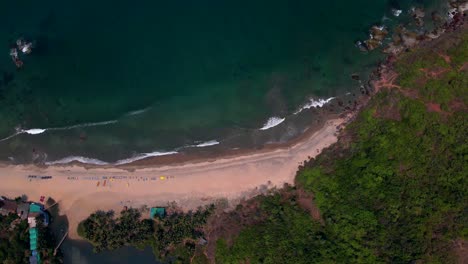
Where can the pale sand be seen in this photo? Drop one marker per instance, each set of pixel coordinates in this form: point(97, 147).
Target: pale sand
point(190, 184)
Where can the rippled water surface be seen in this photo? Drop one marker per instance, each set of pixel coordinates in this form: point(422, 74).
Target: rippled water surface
point(110, 81)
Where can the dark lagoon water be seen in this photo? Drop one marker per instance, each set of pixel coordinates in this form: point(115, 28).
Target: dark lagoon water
point(110, 80)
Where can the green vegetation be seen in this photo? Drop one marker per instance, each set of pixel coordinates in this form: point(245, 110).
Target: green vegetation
point(174, 235)
point(14, 241)
point(287, 235)
point(107, 232)
point(436, 79)
point(47, 244)
point(393, 190)
point(179, 228)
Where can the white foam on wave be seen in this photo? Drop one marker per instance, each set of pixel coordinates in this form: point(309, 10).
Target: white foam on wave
point(10, 136)
point(385, 18)
point(137, 112)
point(79, 159)
point(86, 160)
point(272, 122)
point(207, 144)
point(37, 131)
point(34, 131)
point(314, 103)
point(396, 12)
point(103, 123)
point(144, 156)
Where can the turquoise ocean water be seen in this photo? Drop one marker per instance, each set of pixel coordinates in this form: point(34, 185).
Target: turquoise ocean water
point(110, 80)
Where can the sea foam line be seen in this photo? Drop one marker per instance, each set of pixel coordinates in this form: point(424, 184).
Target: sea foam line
point(207, 144)
point(100, 162)
point(137, 112)
point(272, 122)
point(79, 159)
point(103, 123)
point(37, 131)
point(314, 103)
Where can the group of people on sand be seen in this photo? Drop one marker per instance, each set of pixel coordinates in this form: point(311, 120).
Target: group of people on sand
point(23, 46)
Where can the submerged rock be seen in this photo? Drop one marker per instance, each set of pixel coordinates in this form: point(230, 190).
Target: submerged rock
point(377, 35)
point(355, 77)
point(435, 33)
point(372, 44)
point(459, 5)
point(418, 15)
point(393, 48)
point(409, 38)
point(361, 46)
point(404, 39)
point(437, 19)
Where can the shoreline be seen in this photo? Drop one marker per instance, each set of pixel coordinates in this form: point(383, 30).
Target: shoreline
point(190, 179)
point(190, 183)
point(212, 149)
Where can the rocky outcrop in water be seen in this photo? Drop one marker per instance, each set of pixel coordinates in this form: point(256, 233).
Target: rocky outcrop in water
point(404, 38)
point(418, 15)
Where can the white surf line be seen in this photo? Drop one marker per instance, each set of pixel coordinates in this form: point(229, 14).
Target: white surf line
point(11, 136)
point(314, 103)
point(84, 125)
point(93, 161)
point(272, 122)
point(144, 156)
point(207, 143)
point(137, 112)
point(37, 131)
point(81, 159)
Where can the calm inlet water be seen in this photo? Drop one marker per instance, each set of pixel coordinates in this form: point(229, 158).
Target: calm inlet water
point(110, 80)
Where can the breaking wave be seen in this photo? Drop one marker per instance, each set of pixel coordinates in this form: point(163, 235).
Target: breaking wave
point(103, 123)
point(207, 144)
point(314, 103)
point(272, 122)
point(79, 159)
point(143, 156)
point(396, 12)
point(37, 131)
point(137, 112)
point(86, 160)
point(34, 131)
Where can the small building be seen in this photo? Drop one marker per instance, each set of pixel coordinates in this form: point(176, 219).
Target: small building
point(33, 239)
point(157, 211)
point(32, 219)
point(8, 207)
point(34, 258)
point(36, 210)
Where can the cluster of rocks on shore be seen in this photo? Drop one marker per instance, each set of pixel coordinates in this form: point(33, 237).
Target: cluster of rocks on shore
point(403, 38)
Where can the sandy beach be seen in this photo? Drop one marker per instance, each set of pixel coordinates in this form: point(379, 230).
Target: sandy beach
point(82, 190)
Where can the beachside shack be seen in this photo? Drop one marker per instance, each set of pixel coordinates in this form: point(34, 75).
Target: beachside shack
point(36, 210)
point(34, 258)
point(157, 212)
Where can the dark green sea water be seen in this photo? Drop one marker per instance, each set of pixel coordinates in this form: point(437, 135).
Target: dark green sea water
point(173, 73)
